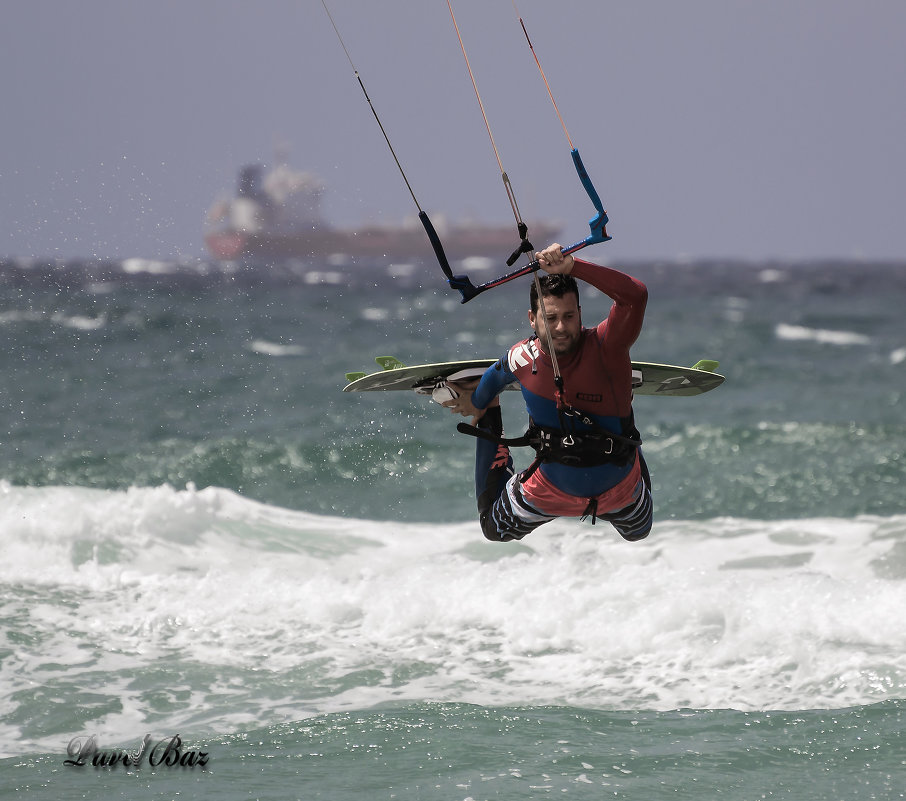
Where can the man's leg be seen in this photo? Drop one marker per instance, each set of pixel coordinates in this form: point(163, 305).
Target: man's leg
point(511, 517)
point(503, 513)
point(634, 522)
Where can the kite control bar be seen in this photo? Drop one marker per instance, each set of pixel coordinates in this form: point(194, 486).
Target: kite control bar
point(468, 290)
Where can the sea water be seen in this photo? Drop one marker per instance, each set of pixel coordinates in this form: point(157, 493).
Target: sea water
point(221, 577)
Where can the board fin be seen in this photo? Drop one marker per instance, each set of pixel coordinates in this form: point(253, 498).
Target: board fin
point(384, 362)
point(389, 362)
point(708, 365)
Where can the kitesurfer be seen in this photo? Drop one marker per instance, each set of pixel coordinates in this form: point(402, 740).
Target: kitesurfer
point(588, 460)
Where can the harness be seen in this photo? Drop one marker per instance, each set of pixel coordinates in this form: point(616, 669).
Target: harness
point(590, 447)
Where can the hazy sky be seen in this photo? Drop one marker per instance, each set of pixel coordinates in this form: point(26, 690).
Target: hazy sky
point(712, 128)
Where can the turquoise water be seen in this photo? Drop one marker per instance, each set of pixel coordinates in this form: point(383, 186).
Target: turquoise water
point(202, 536)
point(442, 751)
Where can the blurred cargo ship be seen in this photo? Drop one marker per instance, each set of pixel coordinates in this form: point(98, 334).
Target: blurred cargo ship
point(276, 214)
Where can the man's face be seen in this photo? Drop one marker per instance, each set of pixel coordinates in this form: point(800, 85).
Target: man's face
point(563, 318)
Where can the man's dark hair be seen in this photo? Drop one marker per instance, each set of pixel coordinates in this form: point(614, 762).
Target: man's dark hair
point(556, 285)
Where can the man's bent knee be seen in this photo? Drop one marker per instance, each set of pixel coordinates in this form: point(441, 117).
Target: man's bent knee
point(634, 536)
point(493, 533)
point(488, 528)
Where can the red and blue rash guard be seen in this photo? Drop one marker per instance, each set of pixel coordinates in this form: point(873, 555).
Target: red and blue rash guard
point(597, 377)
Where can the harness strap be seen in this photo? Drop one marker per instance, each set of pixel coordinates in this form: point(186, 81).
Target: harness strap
point(575, 449)
point(591, 509)
point(533, 440)
point(483, 433)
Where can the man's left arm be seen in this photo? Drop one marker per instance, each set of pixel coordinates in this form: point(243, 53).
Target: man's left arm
point(630, 297)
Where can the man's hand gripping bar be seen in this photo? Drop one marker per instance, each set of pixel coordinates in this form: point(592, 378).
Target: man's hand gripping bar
point(597, 224)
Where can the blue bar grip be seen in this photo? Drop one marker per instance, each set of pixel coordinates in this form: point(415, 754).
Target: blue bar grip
point(597, 223)
point(586, 181)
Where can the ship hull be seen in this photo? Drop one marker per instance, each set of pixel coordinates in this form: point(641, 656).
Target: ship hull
point(373, 243)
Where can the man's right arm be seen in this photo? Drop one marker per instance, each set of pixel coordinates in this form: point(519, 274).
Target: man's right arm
point(492, 383)
point(474, 399)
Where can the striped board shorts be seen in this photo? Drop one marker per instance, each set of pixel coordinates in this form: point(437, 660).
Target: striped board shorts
point(511, 516)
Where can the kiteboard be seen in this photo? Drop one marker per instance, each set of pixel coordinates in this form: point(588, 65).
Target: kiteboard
point(648, 378)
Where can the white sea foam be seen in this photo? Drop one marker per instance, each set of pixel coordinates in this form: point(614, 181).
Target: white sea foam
point(80, 321)
point(286, 614)
point(401, 270)
point(134, 266)
point(821, 335)
point(771, 276)
point(22, 316)
point(265, 348)
point(374, 314)
point(331, 277)
point(472, 264)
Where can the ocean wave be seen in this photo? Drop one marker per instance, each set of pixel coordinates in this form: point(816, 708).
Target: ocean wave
point(197, 590)
point(402, 467)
